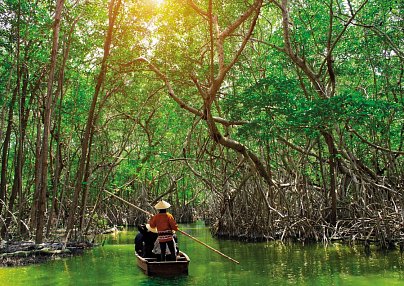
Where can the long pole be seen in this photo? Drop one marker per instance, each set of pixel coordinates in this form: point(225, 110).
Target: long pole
point(181, 231)
point(210, 247)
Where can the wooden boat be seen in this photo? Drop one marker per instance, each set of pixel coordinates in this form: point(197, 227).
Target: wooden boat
point(152, 267)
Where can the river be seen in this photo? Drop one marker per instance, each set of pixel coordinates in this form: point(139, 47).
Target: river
point(271, 263)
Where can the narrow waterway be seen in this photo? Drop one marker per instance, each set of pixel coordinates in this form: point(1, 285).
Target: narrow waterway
point(260, 264)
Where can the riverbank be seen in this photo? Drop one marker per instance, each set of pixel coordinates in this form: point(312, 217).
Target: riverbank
point(20, 253)
point(27, 252)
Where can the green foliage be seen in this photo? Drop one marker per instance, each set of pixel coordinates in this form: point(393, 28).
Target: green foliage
point(139, 131)
point(275, 105)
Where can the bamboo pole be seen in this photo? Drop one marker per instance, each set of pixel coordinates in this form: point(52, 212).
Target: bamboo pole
point(125, 201)
point(210, 247)
point(181, 231)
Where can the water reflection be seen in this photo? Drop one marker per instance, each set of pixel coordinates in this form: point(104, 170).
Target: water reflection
point(271, 263)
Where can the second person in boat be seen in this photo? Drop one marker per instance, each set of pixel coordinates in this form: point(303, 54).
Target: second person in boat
point(166, 226)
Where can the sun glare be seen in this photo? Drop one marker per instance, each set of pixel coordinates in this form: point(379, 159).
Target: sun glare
point(158, 2)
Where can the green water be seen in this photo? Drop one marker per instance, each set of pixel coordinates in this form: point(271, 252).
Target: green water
point(260, 264)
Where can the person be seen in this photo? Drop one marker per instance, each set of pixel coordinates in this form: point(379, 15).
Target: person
point(157, 250)
point(139, 246)
point(144, 240)
point(166, 226)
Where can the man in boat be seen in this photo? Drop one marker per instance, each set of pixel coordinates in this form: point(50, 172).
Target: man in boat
point(144, 240)
point(166, 225)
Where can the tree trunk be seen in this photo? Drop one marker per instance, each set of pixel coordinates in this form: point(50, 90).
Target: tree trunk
point(43, 159)
point(332, 164)
point(6, 143)
point(58, 159)
point(114, 7)
point(6, 146)
point(19, 157)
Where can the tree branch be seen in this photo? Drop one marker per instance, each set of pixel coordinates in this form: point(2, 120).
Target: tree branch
point(350, 129)
point(180, 102)
point(257, 4)
point(197, 9)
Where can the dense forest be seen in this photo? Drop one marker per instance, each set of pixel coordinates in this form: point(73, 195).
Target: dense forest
point(268, 119)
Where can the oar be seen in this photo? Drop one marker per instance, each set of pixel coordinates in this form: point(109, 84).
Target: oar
point(181, 231)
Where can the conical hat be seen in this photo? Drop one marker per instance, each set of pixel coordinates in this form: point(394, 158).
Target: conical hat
point(162, 205)
point(151, 229)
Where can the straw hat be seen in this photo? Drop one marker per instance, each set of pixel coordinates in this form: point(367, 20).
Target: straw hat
point(151, 229)
point(162, 205)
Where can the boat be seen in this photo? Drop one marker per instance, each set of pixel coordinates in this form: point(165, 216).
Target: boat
point(153, 267)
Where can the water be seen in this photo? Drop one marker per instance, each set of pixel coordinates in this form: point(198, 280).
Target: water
point(260, 264)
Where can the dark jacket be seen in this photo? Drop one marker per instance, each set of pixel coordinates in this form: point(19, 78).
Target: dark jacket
point(144, 242)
